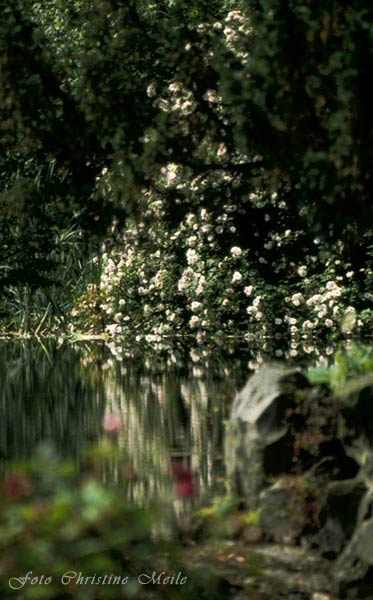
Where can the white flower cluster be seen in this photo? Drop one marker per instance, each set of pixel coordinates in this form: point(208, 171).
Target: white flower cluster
point(236, 31)
point(323, 308)
point(177, 99)
point(170, 174)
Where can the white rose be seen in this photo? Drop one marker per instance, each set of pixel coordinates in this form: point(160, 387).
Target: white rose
point(196, 306)
point(237, 276)
point(236, 251)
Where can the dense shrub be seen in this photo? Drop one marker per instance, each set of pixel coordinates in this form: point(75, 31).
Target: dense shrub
point(231, 139)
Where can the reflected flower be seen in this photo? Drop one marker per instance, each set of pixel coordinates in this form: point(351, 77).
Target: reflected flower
point(184, 484)
point(111, 423)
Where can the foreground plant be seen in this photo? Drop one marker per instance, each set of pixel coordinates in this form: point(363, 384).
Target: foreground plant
point(66, 534)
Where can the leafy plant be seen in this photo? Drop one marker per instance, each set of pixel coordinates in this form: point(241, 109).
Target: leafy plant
point(64, 534)
point(347, 363)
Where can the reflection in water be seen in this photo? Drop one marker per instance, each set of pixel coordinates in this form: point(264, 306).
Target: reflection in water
point(61, 395)
point(169, 410)
point(167, 415)
point(46, 396)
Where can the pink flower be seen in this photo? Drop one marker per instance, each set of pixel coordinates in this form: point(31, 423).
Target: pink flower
point(111, 423)
point(16, 485)
point(184, 484)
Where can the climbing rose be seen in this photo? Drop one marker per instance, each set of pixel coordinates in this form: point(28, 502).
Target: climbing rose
point(236, 251)
point(237, 276)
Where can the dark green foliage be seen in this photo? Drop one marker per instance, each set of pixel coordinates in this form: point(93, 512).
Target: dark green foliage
point(303, 102)
point(98, 97)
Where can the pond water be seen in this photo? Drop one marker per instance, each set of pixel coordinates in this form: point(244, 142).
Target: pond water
point(170, 409)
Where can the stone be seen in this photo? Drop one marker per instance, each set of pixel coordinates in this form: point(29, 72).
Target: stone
point(259, 443)
point(355, 404)
point(303, 458)
point(355, 564)
point(337, 513)
point(281, 508)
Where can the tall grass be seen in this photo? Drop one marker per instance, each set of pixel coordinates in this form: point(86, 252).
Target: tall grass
point(28, 309)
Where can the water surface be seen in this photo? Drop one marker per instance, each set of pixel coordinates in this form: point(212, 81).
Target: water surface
point(171, 408)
